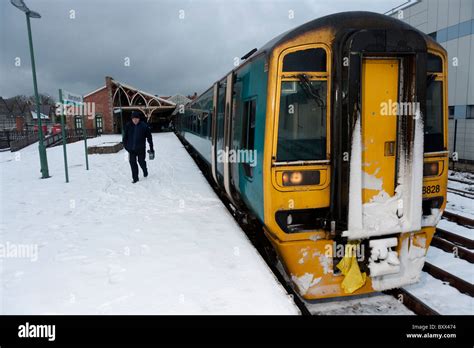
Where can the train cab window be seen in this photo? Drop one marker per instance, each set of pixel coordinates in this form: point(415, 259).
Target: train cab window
point(434, 63)
point(313, 59)
point(434, 134)
point(302, 121)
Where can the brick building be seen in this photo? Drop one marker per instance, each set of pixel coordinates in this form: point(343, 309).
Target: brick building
point(113, 104)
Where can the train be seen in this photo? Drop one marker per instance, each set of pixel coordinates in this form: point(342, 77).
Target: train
point(333, 138)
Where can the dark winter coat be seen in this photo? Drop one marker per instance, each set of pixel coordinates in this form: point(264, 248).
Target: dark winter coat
point(135, 136)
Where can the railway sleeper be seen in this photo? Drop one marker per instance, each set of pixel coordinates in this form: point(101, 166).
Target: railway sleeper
point(452, 248)
point(455, 238)
point(456, 282)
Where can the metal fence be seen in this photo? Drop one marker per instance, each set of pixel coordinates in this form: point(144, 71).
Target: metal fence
point(16, 140)
point(7, 123)
point(72, 135)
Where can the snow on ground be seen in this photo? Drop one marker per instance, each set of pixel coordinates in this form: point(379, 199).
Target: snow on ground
point(440, 296)
point(102, 245)
point(435, 293)
point(460, 205)
point(453, 227)
point(372, 304)
point(451, 264)
point(464, 176)
point(461, 186)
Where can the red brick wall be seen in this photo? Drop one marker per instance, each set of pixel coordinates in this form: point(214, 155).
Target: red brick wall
point(69, 122)
point(20, 123)
point(103, 106)
point(101, 100)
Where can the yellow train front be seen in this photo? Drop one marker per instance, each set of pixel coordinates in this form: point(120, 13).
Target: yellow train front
point(352, 154)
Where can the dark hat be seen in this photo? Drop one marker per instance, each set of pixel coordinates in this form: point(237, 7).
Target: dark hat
point(136, 114)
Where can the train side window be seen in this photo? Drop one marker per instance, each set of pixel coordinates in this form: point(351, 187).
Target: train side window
point(248, 134)
point(205, 122)
point(434, 133)
point(199, 122)
point(313, 59)
point(195, 123)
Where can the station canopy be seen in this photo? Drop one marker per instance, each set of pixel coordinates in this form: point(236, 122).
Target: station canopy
point(129, 98)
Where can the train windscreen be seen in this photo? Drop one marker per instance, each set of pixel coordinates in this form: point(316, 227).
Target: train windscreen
point(302, 121)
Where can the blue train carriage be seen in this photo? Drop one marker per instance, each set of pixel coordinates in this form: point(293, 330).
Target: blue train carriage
point(333, 136)
point(234, 140)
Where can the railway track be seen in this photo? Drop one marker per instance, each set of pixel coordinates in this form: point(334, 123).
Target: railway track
point(461, 181)
point(459, 219)
point(451, 243)
point(462, 193)
point(455, 244)
point(454, 238)
point(463, 286)
point(412, 302)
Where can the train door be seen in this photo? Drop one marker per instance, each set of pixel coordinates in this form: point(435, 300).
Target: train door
point(214, 132)
point(220, 127)
point(379, 126)
point(228, 134)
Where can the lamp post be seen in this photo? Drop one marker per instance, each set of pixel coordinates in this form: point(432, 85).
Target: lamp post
point(42, 150)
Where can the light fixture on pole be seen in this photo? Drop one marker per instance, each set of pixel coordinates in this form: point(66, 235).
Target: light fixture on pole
point(19, 4)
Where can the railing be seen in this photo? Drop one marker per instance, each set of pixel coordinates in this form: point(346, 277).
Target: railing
point(6, 123)
point(52, 139)
point(72, 135)
point(16, 140)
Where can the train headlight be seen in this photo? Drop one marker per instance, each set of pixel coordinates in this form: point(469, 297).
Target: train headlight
point(286, 178)
point(430, 169)
point(298, 178)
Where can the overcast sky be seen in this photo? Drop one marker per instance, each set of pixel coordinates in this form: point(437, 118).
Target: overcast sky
point(167, 54)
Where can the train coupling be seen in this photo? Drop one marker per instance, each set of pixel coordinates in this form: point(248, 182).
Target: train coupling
point(383, 258)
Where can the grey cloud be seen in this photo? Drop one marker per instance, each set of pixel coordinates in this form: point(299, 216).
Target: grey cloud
point(168, 55)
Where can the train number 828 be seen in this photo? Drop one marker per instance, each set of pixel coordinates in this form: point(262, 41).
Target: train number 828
point(431, 189)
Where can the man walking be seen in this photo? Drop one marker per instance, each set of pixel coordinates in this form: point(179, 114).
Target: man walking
point(136, 132)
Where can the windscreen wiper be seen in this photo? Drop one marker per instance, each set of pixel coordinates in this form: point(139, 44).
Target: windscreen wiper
point(309, 89)
point(430, 78)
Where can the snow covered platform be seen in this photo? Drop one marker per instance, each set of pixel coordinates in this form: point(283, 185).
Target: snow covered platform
point(102, 245)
